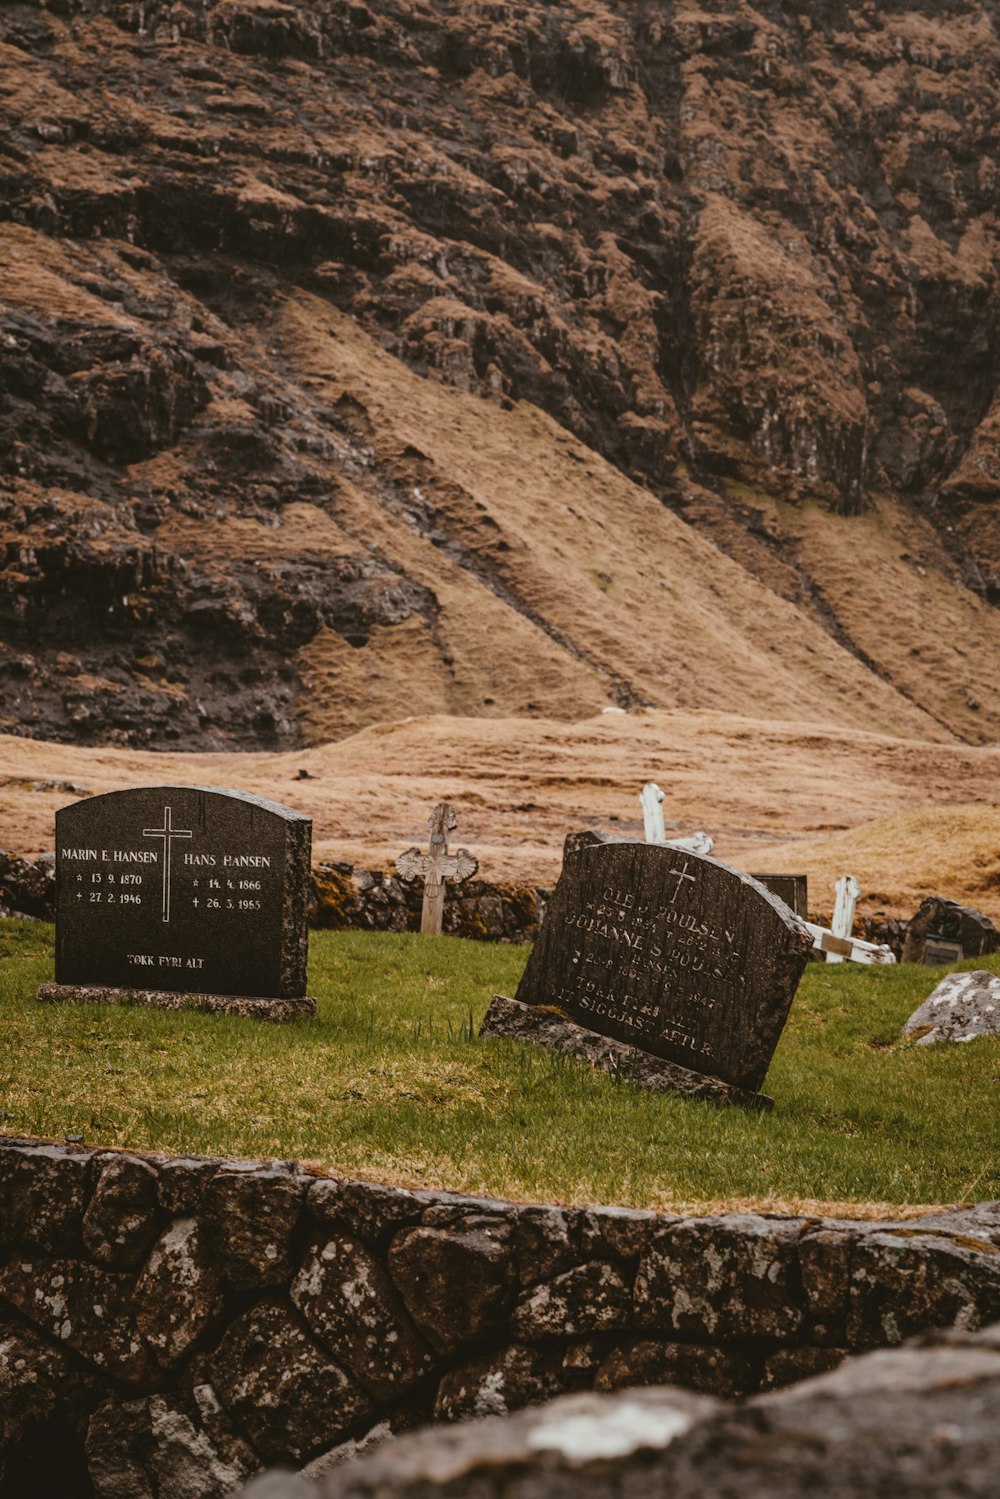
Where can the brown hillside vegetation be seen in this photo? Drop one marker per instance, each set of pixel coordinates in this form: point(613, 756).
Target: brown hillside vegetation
point(905, 816)
point(496, 360)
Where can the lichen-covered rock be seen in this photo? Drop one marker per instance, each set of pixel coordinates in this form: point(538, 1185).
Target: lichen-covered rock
point(28, 886)
point(825, 1263)
point(518, 1375)
point(652, 225)
point(586, 1299)
point(711, 1370)
point(182, 1181)
point(413, 1306)
point(548, 1240)
point(369, 1210)
point(457, 1283)
point(914, 1423)
point(43, 1395)
point(354, 1310)
point(720, 1278)
point(911, 1277)
point(628, 1232)
point(789, 1365)
point(282, 1391)
point(962, 1007)
point(122, 1216)
point(576, 1444)
point(250, 1213)
point(88, 1309)
point(354, 1447)
point(180, 1446)
point(43, 1189)
point(344, 896)
point(177, 1296)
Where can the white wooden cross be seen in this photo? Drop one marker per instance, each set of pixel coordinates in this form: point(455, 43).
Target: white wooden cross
point(436, 866)
point(842, 924)
point(651, 798)
point(836, 942)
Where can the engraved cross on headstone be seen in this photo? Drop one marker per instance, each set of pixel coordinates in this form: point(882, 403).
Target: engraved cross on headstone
point(436, 866)
point(168, 834)
point(680, 875)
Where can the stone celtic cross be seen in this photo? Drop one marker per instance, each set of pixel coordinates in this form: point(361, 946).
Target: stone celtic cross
point(436, 866)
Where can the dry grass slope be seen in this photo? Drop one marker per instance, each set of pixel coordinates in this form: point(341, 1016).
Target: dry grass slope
point(906, 815)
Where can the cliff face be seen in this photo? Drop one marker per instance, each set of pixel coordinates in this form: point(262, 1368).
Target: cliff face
point(665, 269)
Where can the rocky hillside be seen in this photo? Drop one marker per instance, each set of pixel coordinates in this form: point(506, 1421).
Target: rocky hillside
point(476, 357)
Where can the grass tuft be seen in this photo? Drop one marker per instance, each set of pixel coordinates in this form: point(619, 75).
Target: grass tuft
point(391, 1083)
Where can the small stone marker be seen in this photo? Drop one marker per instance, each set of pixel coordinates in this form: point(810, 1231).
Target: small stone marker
point(962, 1007)
point(183, 896)
point(942, 931)
point(436, 866)
point(651, 798)
point(675, 956)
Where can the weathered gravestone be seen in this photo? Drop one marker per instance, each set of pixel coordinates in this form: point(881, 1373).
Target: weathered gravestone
point(942, 931)
point(688, 966)
point(183, 896)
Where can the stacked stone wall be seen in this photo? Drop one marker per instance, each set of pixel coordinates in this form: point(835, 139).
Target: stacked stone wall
point(341, 897)
point(168, 1322)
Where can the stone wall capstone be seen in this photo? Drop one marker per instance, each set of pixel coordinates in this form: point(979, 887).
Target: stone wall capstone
point(190, 1321)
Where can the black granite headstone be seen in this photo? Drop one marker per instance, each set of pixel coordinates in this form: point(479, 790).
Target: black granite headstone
point(672, 952)
point(182, 890)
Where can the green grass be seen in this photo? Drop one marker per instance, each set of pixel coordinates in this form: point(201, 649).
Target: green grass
point(389, 1082)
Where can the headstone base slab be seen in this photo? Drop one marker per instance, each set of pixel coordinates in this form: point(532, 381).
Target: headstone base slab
point(546, 1027)
point(249, 1006)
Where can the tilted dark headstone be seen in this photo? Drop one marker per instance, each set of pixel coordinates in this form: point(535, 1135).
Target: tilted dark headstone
point(942, 931)
point(672, 952)
point(183, 891)
point(793, 889)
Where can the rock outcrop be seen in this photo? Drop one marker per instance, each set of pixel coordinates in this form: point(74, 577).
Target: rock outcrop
point(745, 253)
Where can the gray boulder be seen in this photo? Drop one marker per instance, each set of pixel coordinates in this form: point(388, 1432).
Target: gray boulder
point(913, 1422)
point(962, 1007)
